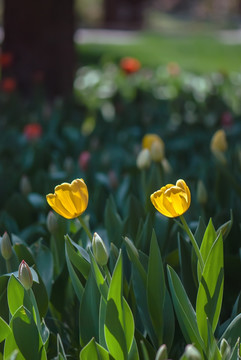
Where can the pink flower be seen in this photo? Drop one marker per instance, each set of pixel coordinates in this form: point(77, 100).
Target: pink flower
point(84, 159)
point(33, 131)
point(226, 119)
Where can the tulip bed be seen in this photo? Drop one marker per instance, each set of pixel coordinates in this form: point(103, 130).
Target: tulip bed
point(120, 218)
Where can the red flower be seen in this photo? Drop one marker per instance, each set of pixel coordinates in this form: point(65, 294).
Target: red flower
point(6, 59)
point(8, 85)
point(84, 160)
point(33, 131)
point(130, 65)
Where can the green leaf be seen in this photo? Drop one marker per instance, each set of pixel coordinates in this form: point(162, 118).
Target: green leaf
point(128, 325)
point(60, 349)
point(133, 354)
point(233, 331)
point(24, 337)
point(114, 323)
point(94, 351)
point(77, 285)
point(113, 222)
point(207, 243)
point(210, 291)
point(225, 228)
point(185, 313)
point(134, 258)
point(79, 259)
point(5, 330)
point(156, 288)
point(99, 278)
point(236, 351)
point(89, 312)
point(17, 296)
point(168, 321)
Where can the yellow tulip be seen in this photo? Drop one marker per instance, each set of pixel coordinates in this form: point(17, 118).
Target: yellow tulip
point(219, 141)
point(155, 145)
point(69, 200)
point(172, 200)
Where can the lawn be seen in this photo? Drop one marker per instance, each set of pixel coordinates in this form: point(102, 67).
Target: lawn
point(194, 49)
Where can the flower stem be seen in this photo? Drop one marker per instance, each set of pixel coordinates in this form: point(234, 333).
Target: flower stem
point(85, 227)
point(193, 241)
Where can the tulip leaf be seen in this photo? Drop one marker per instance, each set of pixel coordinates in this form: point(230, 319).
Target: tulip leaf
point(24, 253)
point(113, 222)
point(210, 291)
point(94, 351)
point(185, 259)
point(156, 288)
point(168, 321)
point(185, 313)
point(116, 312)
point(225, 228)
point(134, 257)
point(236, 351)
point(89, 312)
point(207, 243)
point(233, 331)
point(25, 333)
point(140, 291)
point(77, 285)
point(99, 278)
point(78, 259)
point(5, 330)
point(60, 349)
point(17, 296)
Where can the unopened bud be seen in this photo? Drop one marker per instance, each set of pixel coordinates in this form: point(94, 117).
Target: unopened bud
point(25, 275)
point(157, 151)
point(192, 353)
point(25, 186)
point(220, 157)
point(225, 349)
point(166, 166)
point(162, 353)
point(143, 160)
point(52, 223)
point(99, 250)
point(202, 195)
point(219, 141)
point(6, 247)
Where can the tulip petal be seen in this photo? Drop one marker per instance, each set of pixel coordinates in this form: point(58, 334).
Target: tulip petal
point(57, 206)
point(80, 195)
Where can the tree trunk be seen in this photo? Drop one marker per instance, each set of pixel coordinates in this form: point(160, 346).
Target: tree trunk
point(39, 34)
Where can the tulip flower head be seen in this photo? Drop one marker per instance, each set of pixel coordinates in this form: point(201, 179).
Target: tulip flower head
point(172, 200)
point(69, 200)
point(130, 65)
point(155, 145)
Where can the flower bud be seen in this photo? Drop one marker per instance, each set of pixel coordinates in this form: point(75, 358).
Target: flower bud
point(25, 186)
point(162, 353)
point(25, 275)
point(52, 223)
point(192, 353)
point(6, 247)
point(202, 195)
point(99, 250)
point(225, 349)
point(219, 141)
point(166, 166)
point(143, 160)
point(157, 151)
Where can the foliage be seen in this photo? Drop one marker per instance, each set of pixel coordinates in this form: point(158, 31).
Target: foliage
point(154, 290)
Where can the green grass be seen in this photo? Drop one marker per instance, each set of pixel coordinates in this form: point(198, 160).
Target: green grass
point(198, 51)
